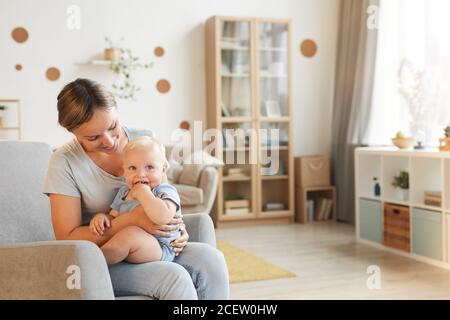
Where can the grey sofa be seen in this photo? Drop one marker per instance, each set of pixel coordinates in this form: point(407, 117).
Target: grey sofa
point(32, 264)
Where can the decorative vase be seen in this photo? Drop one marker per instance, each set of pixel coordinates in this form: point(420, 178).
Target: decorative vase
point(444, 144)
point(112, 54)
point(377, 189)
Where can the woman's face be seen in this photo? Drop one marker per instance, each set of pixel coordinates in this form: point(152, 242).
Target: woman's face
point(101, 133)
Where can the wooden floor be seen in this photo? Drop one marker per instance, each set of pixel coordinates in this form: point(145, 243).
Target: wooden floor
point(330, 265)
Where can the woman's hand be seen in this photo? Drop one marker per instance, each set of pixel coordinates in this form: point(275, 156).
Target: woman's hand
point(179, 244)
point(162, 230)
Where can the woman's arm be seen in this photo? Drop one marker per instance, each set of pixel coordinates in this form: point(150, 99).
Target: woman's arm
point(66, 220)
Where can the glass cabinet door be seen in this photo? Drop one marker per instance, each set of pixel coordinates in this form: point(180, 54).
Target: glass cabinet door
point(273, 98)
point(235, 69)
point(273, 69)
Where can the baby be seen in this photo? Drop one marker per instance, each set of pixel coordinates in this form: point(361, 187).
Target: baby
point(145, 165)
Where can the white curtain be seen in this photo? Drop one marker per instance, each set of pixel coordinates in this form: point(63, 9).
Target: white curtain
point(415, 32)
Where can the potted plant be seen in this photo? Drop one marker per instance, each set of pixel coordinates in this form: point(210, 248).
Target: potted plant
point(2, 108)
point(112, 52)
point(447, 131)
point(444, 143)
point(402, 181)
point(123, 67)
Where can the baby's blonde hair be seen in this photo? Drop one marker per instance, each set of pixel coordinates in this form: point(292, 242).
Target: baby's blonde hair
point(146, 142)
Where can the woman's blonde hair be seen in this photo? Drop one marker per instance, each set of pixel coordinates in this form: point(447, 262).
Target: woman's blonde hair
point(78, 101)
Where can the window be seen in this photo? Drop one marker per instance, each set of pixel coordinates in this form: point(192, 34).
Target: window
point(412, 33)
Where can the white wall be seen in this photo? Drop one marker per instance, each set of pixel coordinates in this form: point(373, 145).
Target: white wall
point(176, 25)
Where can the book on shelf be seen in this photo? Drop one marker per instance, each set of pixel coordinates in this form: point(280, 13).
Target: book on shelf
point(433, 198)
point(225, 112)
point(432, 202)
point(236, 175)
point(434, 194)
point(238, 211)
point(235, 170)
point(320, 209)
point(328, 209)
point(244, 203)
point(310, 207)
point(274, 206)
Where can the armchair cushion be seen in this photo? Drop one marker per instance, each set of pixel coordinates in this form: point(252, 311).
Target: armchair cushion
point(189, 195)
point(194, 164)
point(174, 172)
point(190, 174)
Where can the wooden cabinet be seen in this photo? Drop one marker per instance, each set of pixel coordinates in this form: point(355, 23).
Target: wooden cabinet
point(249, 103)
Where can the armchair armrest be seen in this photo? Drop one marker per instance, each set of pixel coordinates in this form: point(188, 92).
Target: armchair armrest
point(200, 228)
point(208, 183)
point(54, 270)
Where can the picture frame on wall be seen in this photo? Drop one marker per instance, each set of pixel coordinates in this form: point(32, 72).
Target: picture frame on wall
point(273, 108)
point(10, 128)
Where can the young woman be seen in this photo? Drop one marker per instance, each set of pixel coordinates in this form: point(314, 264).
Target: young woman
point(83, 178)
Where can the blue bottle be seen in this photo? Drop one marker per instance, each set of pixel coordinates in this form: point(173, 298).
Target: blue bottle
point(377, 188)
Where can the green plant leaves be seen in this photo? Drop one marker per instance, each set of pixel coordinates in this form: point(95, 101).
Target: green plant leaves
point(124, 87)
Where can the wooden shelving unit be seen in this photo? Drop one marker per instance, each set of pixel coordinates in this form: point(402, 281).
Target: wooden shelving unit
point(304, 194)
point(10, 126)
point(247, 65)
point(429, 225)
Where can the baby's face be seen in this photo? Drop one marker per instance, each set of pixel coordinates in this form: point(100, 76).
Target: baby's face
point(143, 165)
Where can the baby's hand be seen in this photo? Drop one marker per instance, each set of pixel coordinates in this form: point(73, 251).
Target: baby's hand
point(138, 190)
point(98, 224)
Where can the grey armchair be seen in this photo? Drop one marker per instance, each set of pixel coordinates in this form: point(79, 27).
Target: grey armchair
point(200, 198)
point(32, 264)
point(199, 195)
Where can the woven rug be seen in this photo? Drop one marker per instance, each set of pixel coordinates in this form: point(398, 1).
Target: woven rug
point(244, 266)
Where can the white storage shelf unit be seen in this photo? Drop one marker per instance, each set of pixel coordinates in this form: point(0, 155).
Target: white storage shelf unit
point(429, 170)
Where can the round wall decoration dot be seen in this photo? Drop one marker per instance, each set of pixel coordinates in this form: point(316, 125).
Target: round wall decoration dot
point(18, 67)
point(52, 74)
point(159, 51)
point(19, 34)
point(185, 125)
point(163, 86)
point(308, 48)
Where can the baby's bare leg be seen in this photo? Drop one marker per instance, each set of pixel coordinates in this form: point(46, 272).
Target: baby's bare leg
point(132, 244)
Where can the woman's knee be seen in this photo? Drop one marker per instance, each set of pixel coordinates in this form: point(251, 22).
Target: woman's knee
point(208, 270)
point(177, 283)
point(158, 280)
